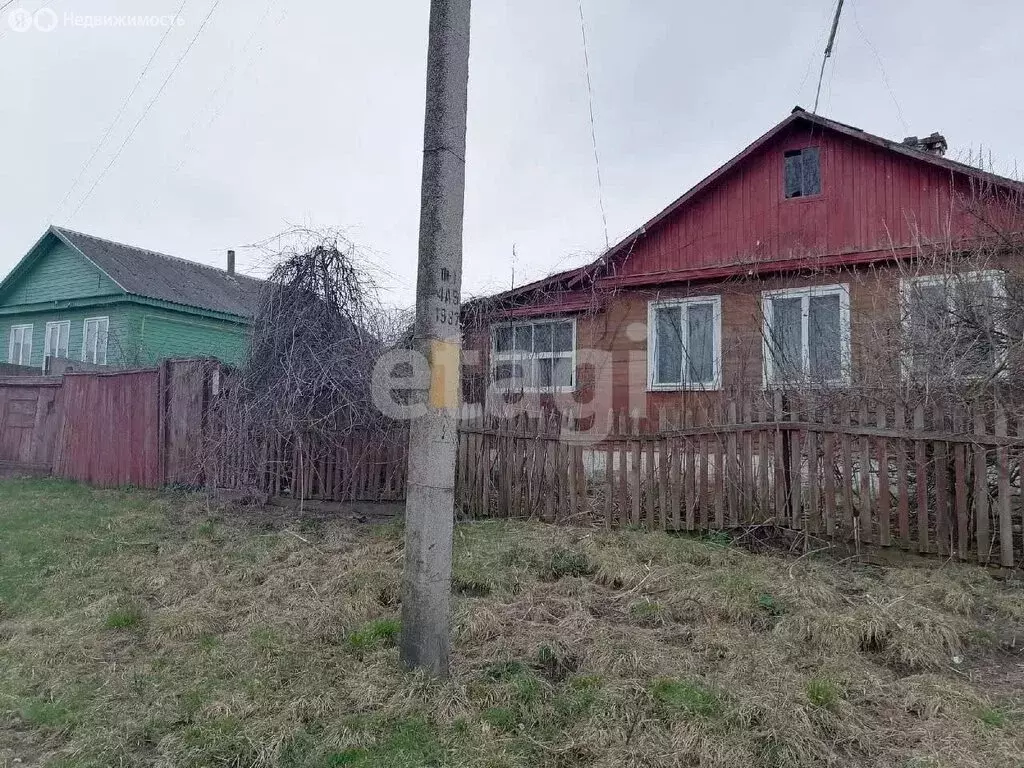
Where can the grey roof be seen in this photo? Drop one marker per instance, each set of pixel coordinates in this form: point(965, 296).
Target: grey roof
point(167, 278)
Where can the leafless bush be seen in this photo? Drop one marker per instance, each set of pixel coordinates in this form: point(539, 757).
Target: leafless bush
point(305, 387)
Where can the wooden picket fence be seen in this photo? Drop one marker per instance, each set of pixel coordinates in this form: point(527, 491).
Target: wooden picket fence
point(213, 442)
point(926, 478)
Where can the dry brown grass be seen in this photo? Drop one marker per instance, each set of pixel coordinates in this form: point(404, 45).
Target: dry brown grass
point(139, 629)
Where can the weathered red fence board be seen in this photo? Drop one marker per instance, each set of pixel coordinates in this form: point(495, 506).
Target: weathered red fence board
point(30, 408)
point(109, 432)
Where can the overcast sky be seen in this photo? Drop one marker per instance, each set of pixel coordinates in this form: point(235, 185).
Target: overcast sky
point(310, 112)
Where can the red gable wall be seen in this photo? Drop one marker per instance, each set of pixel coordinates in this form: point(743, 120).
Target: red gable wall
point(872, 199)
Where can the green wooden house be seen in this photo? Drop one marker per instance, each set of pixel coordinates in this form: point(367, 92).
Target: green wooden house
point(81, 297)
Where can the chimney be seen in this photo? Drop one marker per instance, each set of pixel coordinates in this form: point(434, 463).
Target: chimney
point(935, 144)
point(231, 262)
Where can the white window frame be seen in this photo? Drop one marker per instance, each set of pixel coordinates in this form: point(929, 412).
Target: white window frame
point(55, 326)
point(514, 356)
point(805, 293)
point(716, 344)
point(23, 327)
point(998, 280)
point(95, 357)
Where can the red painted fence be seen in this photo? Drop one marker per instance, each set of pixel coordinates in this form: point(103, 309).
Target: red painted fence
point(174, 425)
point(110, 429)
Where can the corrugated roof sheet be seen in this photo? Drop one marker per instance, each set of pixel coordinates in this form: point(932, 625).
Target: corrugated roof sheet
point(168, 278)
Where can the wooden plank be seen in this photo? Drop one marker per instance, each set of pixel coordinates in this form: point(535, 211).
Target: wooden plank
point(487, 470)
point(624, 453)
point(703, 500)
point(764, 504)
point(718, 495)
point(609, 471)
point(884, 490)
point(635, 470)
point(664, 512)
point(960, 489)
point(554, 500)
point(1020, 469)
point(902, 484)
point(676, 493)
point(1003, 500)
point(829, 471)
point(748, 493)
point(650, 485)
point(582, 491)
point(569, 473)
point(983, 538)
point(780, 462)
point(866, 508)
point(812, 512)
point(690, 494)
point(795, 462)
point(921, 482)
point(731, 466)
point(940, 452)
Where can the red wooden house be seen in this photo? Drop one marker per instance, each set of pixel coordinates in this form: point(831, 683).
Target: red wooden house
point(785, 265)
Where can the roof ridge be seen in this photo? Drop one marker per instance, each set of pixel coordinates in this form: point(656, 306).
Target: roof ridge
point(156, 253)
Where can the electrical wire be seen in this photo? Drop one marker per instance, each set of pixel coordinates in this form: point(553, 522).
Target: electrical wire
point(120, 112)
point(149, 106)
point(881, 69)
point(593, 128)
point(187, 141)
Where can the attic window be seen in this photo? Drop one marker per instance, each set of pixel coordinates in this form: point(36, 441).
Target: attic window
point(802, 172)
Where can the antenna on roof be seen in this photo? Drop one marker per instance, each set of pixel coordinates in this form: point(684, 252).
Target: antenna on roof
point(828, 53)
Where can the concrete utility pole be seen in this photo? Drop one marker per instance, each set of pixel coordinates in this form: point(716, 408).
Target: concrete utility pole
point(433, 438)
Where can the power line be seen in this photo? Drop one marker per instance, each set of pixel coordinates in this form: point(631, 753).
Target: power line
point(120, 112)
point(881, 69)
point(828, 52)
point(149, 106)
point(187, 141)
point(593, 128)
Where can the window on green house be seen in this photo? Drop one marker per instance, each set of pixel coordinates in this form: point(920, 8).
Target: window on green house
point(94, 340)
point(19, 350)
point(57, 335)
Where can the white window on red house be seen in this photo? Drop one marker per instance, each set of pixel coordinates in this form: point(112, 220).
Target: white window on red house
point(953, 324)
point(807, 335)
point(535, 355)
point(802, 172)
point(57, 336)
point(94, 340)
point(19, 345)
point(684, 341)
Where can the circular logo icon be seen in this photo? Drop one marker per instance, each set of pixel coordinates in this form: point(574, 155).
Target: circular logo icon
point(45, 19)
point(20, 20)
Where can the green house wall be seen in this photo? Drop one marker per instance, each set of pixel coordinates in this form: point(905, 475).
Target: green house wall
point(60, 273)
point(63, 285)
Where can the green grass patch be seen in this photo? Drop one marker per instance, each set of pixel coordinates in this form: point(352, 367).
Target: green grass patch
point(373, 635)
point(823, 693)
point(125, 617)
point(687, 697)
point(562, 562)
point(994, 717)
point(647, 612)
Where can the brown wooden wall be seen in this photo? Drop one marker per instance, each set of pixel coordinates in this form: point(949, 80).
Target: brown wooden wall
point(619, 333)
